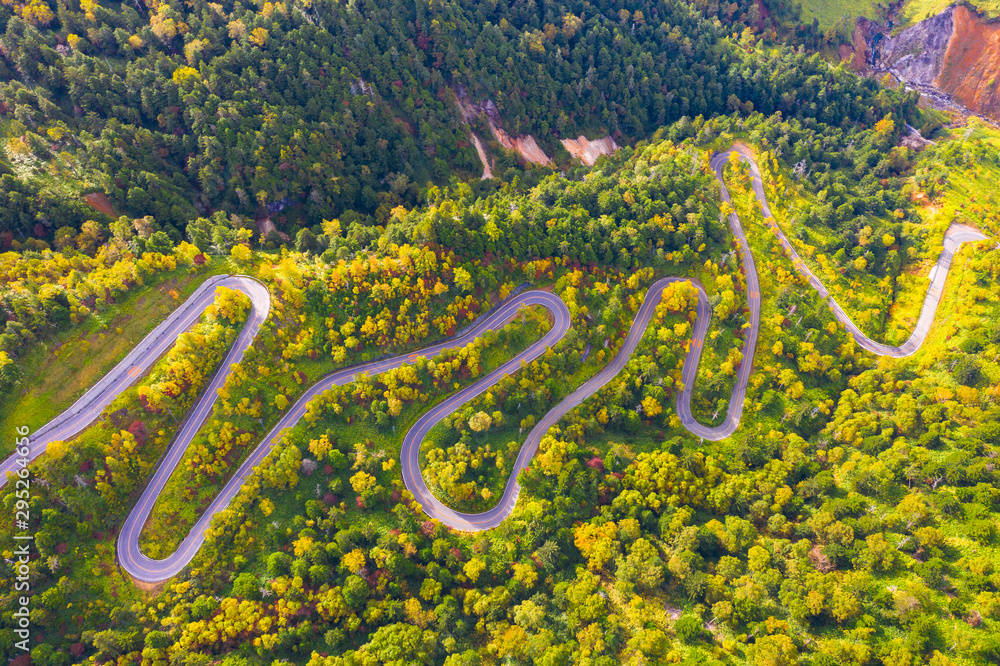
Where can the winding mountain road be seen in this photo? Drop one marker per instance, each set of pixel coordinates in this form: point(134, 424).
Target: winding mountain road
point(148, 570)
point(953, 239)
point(139, 360)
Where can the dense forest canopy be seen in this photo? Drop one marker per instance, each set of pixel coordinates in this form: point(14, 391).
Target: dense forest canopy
point(317, 109)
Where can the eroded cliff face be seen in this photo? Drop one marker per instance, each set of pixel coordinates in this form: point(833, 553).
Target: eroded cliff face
point(858, 55)
point(588, 151)
point(972, 63)
point(585, 150)
point(952, 58)
point(916, 55)
point(525, 146)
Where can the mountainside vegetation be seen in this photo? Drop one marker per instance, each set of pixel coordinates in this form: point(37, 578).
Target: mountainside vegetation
point(321, 110)
point(631, 540)
point(324, 148)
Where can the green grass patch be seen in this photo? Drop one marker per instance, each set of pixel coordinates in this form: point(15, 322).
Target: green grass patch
point(914, 11)
point(831, 12)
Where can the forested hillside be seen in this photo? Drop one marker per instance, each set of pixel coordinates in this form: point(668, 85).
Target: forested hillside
point(324, 148)
point(318, 110)
point(823, 531)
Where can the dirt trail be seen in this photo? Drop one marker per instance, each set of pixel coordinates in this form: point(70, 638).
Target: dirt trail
point(588, 151)
point(487, 171)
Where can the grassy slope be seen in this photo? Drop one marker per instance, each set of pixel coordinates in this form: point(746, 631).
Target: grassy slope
point(969, 193)
point(956, 203)
point(917, 10)
point(89, 562)
point(830, 12)
point(859, 294)
point(58, 371)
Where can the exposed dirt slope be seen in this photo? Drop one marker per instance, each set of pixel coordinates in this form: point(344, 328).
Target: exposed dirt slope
point(526, 146)
point(858, 55)
point(952, 58)
point(588, 151)
point(972, 63)
point(487, 169)
point(581, 148)
point(99, 201)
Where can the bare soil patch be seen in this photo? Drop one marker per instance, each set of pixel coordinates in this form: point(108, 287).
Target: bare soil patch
point(100, 202)
point(588, 151)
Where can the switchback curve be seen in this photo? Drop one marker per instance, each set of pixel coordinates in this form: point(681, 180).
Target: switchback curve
point(89, 407)
point(953, 239)
point(149, 570)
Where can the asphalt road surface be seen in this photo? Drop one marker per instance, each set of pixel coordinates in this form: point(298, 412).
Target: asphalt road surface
point(90, 406)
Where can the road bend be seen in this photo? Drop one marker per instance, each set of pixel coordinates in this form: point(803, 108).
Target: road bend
point(85, 410)
point(91, 404)
point(954, 237)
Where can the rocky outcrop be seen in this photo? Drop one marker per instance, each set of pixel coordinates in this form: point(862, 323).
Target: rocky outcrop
point(913, 139)
point(917, 54)
point(588, 151)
